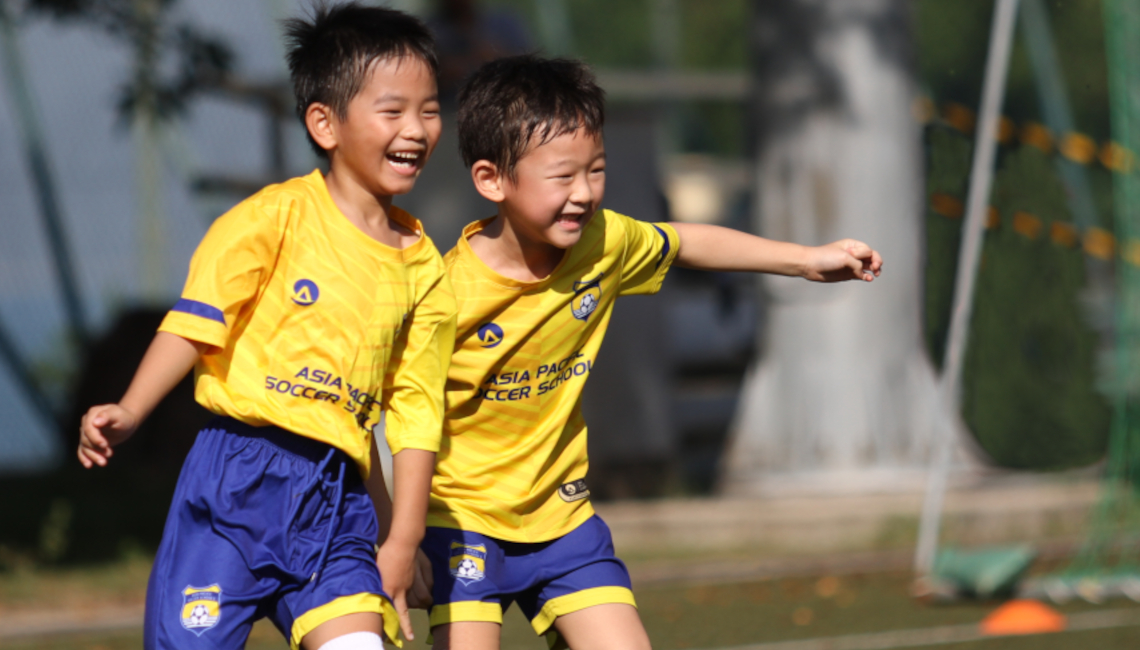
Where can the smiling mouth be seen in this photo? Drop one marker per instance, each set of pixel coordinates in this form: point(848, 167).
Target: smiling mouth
point(404, 160)
point(571, 220)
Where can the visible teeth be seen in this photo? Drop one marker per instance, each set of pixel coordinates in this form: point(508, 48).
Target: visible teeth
point(405, 155)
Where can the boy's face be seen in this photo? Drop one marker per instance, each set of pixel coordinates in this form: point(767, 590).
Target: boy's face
point(390, 128)
point(557, 188)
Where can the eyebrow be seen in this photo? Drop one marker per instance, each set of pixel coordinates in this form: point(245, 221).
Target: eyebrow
point(397, 97)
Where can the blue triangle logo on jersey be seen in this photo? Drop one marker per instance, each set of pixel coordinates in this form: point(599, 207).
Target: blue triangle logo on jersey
point(305, 292)
point(490, 335)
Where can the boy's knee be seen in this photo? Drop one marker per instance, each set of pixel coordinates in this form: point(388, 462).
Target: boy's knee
point(355, 641)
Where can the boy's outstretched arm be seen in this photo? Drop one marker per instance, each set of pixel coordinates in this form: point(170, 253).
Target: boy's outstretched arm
point(165, 363)
point(713, 248)
point(411, 481)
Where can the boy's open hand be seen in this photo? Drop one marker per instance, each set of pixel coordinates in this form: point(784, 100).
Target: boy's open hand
point(397, 564)
point(103, 427)
point(846, 259)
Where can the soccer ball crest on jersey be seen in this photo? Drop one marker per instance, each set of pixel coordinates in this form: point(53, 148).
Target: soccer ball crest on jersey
point(587, 294)
point(468, 562)
point(201, 608)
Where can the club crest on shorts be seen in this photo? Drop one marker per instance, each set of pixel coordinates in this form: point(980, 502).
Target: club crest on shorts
point(574, 490)
point(467, 562)
point(587, 294)
point(201, 608)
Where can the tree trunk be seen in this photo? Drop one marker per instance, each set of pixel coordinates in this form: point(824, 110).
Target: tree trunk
point(843, 395)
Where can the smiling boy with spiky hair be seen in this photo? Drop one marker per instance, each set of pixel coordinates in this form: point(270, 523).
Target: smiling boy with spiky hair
point(308, 308)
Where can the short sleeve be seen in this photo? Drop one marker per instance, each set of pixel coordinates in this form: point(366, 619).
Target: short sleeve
point(648, 252)
point(226, 272)
point(414, 387)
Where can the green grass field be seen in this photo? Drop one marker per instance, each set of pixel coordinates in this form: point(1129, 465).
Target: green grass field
point(677, 616)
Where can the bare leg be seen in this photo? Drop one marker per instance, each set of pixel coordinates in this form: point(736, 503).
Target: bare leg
point(468, 635)
point(613, 626)
point(347, 624)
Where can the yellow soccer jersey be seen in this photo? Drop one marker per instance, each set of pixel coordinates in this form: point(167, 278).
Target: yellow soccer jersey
point(512, 463)
point(314, 326)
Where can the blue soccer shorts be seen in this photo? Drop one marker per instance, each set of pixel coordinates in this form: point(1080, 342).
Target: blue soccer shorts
point(264, 523)
point(478, 577)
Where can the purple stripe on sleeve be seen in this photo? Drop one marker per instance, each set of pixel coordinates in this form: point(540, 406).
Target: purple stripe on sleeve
point(199, 309)
point(665, 249)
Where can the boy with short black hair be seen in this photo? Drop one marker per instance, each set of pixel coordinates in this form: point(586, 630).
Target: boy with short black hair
point(308, 308)
point(510, 518)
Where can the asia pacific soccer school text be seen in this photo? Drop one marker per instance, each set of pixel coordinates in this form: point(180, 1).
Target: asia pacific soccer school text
point(510, 519)
point(315, 308)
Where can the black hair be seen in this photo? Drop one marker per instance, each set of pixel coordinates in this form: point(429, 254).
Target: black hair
point(331, 54)
point(508, 103)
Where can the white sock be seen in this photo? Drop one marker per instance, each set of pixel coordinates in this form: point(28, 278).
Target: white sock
point(355, 641)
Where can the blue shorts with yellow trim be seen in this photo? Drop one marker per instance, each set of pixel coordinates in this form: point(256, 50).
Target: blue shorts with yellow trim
point(478, 577)
point(264, 523)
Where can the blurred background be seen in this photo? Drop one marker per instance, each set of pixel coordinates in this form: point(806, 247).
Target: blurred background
point(757, 444)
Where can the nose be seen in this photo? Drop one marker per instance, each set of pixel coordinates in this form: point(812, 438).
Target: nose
point(581, 192)
point(414, 127)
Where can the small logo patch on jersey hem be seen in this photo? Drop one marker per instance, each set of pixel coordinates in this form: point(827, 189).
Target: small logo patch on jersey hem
point(201, 608)
point(468, 562)
point(574, 491)
point(305, 292)
point(587, 295)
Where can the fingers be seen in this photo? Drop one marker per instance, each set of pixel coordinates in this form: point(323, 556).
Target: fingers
point(876, 263)
point(93, 446)
point(90, 458)
point(872, 261)
point(401, 604)
point(856, 266)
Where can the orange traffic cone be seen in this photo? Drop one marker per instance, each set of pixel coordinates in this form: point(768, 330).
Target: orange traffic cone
point(1023, 617)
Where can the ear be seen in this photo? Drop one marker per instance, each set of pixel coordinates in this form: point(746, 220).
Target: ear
point(321, 123)
point(488, 181)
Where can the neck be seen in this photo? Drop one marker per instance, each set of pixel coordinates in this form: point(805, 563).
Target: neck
point(355, 201)
point(367, 211)
point(511, 254)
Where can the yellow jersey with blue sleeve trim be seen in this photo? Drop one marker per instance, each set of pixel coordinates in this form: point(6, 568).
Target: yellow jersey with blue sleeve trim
point(315, 327)
point(512, 462)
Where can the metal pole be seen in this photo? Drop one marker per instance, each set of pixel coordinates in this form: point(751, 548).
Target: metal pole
point(981, 177)
point(148, 157)
point(36, 152)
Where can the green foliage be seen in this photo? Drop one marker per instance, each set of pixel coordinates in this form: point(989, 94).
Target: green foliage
point(953, 37)
point(948, 171)
point(607, 34)
point(713, 36)
point(1029, 377)
point(1029, 393)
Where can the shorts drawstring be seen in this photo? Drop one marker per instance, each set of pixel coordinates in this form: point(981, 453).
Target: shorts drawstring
point(334, 517)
